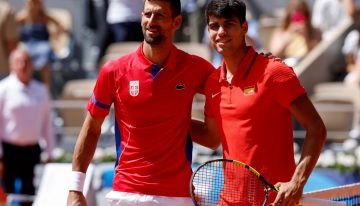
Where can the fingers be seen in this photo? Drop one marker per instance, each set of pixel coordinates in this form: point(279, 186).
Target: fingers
point(284, 202)
point(279, 197)
point(283, 198)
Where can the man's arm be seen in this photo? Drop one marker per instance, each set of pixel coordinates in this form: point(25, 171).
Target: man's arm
point(205, 133)
point(305, 113)
point(83, 153)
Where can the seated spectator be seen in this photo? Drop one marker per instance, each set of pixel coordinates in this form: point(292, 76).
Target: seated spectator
point(8, 36)
point(296, 37)
point(328, 15)
point(34, 21)
point(351, 51)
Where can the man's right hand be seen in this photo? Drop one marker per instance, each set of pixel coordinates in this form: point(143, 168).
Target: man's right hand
point(76, 198)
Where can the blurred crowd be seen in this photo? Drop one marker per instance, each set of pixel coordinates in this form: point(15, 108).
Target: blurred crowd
point(301, 25)
point(46, 37)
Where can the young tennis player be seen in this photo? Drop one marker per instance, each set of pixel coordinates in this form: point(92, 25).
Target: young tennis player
point(252, 99)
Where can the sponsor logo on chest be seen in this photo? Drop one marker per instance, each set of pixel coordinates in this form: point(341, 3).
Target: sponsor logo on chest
point(180, 86)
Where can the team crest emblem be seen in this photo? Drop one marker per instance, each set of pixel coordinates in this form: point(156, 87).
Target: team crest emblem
point(134, 88)
point(249, 90)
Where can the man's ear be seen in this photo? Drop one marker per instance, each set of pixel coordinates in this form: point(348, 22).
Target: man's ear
point(177, 22)
point(245, 26)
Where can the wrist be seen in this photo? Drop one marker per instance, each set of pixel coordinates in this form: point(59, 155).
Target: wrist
point(77, 180)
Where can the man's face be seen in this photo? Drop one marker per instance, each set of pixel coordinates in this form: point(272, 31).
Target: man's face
point(226, 35)
point(158, 24)
point(21, 65)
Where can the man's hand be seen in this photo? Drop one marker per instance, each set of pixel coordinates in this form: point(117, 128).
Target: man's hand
point(269, 55)
point(76, 198)
point(289, 194)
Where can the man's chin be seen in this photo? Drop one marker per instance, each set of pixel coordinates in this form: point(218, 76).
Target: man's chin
point(220, 50)
point(153, 40)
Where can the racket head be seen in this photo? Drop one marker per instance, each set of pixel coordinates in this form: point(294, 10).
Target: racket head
point(227, 182)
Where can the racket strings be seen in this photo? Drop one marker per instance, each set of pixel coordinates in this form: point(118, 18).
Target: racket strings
point(227, 184)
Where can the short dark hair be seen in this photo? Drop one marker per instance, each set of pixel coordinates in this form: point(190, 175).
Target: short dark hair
point(226, 9)
point(175, 6)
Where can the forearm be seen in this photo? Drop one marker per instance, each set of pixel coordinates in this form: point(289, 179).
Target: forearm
point(314, 141)
point(85, 145)
point(205, 134)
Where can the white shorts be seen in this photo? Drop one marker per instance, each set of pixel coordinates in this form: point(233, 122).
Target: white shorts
point(133, 199)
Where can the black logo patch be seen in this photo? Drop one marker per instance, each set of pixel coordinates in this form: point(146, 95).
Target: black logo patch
point(180, 86)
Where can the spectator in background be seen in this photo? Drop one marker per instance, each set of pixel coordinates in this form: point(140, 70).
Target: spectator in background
point(8, 36)
point(96, 34)
point(351, 51)
point(25, 117)
point(34, 21)
point(190, 27)
point(296, 37)
point(328, 15)
point(124, 17)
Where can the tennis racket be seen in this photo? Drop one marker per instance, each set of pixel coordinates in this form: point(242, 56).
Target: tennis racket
point(224, 182)
point(227, 182)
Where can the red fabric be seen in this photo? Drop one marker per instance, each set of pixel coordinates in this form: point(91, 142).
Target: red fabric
point(154, 118)
point(252, 113)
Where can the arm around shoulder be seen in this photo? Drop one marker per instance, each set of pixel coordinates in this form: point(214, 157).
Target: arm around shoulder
point(205, 133)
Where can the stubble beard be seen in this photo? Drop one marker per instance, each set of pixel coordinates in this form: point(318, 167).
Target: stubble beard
point(152, 40)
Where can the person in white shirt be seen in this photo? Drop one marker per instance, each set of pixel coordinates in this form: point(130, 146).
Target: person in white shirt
point(328, 15)
point(25, 117)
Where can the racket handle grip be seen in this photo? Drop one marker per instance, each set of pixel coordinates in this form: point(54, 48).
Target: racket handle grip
point(310, 201)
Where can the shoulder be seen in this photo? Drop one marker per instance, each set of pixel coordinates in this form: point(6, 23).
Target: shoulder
point(212, 83)
point(117, 67)
point(214, 76)
point(203, 62)
point(118, 63)
point(197, 61)
point(21, 16)
point(278, 71)
point(39, 86)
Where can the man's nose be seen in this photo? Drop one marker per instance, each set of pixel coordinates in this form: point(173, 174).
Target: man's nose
point(152, 19)
point(221, 31)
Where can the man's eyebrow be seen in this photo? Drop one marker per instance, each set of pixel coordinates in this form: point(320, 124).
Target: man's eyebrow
point(213, 23)
point(230, 20)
